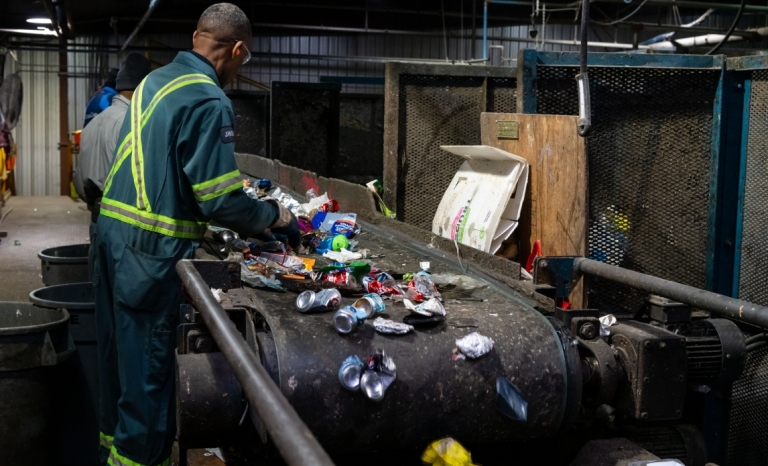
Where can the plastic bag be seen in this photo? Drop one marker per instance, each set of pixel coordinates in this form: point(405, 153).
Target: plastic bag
point(447, 452)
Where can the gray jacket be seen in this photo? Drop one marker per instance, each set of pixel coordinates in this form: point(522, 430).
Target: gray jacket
point(98, 142)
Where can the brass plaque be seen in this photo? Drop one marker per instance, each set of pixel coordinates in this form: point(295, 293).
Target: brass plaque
point(507, 130)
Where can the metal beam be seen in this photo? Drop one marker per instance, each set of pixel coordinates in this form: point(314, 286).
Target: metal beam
point(291, 436)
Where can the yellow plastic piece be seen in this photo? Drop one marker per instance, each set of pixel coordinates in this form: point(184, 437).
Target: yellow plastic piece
point(447, 452)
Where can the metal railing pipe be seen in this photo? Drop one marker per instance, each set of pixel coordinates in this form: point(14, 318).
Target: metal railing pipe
point(736, 309)
point(293, 439)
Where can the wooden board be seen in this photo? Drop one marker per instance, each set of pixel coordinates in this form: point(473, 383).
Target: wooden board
point(555, 207)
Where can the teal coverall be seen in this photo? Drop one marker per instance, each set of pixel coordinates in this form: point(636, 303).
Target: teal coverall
point(173, 172)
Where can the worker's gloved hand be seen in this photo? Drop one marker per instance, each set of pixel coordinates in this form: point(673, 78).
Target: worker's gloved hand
point(286, 225)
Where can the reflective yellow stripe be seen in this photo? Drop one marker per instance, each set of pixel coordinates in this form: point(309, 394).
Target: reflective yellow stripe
point(122, 152)
point(126, 147)
point(116, 459)
point(190, 78)
point(218, 186)
point(106, 440)
point(138, 155)
point(152, 222)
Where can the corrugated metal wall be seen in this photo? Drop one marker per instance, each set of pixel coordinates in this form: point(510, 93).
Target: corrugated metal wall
point(37, 134)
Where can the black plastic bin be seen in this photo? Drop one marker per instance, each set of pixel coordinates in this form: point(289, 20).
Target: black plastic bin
point(65, 264)
point(76, 410)
point(34, 343)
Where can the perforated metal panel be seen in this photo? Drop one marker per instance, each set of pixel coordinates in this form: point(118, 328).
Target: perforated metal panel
point(305, 125)
point(361, 137)
point(747, 438)
point(251, 121)
point(649, 159)
point(428, 107)
point(753, 276)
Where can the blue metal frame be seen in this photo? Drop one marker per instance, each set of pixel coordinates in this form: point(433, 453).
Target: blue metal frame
point(718, 258)
point(741, 68)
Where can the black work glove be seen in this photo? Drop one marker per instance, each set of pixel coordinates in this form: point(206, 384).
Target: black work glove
point(291, 233)
point(286, 225)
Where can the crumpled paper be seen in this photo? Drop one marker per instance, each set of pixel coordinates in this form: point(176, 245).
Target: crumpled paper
point(474, 345)
point(430, 307)
point(606, 322)
point(345, 256)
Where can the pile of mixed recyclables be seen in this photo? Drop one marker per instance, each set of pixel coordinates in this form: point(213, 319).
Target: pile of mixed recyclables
point(332, 233)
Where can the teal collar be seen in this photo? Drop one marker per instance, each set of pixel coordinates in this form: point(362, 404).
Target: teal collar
point(199, 63)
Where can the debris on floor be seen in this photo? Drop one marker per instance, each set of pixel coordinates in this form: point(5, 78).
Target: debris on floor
point(447, 452)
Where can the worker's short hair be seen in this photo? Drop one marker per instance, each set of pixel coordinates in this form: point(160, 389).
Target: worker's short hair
point(225, 22)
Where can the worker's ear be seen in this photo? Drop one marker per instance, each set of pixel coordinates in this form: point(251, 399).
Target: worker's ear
point(236, 49)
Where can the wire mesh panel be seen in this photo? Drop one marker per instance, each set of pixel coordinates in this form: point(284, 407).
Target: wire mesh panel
point(428, 106)
point(753, 279)
point(748, 428)
point(251, 121)
point(305, 125)
point(361, 137)
point(650, 168)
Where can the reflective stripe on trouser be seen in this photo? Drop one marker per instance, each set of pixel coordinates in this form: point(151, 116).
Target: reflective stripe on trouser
point(116, 459)
point(137, 300)
point(105, 441)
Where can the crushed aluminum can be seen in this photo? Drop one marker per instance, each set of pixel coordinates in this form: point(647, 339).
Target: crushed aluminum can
point(383, 325)
point(350, 372)
point(372, 386)
point(348, 318)
point(474, 345)
point(380, 372)
point(606, 322)
point(328, 299)
point(371, 285)
point(431, 307)
point(371, 304)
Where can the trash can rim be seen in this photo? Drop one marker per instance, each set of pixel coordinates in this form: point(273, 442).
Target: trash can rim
point(45, 255)
point(39, 327)
point(50, 304)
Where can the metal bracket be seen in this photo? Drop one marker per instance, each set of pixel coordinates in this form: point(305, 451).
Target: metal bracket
point(556, 271)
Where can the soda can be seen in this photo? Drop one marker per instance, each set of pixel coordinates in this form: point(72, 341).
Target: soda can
point(306, 301)
point(371, 304)
point(324, 300)
point(350, 372)
point(348, 318)
point(372, 385)
point(371, 285)
point(383, 277)
point(329, 298)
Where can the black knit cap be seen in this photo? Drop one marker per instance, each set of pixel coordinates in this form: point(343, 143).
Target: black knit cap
point(111, 76)
point(135, 68)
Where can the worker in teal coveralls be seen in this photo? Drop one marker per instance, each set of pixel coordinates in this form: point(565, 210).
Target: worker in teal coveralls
point(174, 171)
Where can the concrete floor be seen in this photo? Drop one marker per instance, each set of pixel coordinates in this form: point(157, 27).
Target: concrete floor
point(36, 223)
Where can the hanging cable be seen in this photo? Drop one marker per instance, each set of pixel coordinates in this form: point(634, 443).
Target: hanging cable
point(584, 124)
point(698, 21)
point(730, 30)
point(611, 23)
point(445, 34)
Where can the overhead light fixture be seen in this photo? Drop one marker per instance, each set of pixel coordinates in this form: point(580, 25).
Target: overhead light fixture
point(39, 20)
point(45, 32)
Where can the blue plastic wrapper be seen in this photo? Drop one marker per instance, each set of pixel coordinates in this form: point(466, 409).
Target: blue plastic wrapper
point(509, 400)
